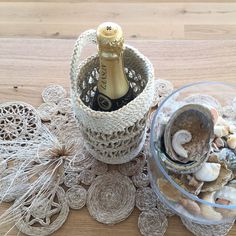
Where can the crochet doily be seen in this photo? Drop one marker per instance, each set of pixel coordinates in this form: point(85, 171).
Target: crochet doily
point(45, 170)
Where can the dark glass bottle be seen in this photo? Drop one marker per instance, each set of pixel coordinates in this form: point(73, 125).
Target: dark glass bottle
point(113, 89)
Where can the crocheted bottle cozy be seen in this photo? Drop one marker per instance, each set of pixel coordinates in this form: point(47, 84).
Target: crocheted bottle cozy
point(112, 137)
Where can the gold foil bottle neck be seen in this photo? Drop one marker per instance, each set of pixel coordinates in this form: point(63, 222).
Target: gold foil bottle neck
point(110, 38)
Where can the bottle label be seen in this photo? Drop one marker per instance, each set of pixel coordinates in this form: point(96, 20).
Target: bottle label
point(104, 102)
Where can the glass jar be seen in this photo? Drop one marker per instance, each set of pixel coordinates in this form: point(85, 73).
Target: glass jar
point(201, 208)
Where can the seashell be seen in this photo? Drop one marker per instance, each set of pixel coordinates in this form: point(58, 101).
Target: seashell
point(227, 193)
point(231, 141)
point(222, 201)
point(169, 191)
point(221, 131)
point(214, 147)
point(229, 157)
point(232, 129)
point(208, 172)
point(191, 206)
point(194, 124)
point(223, 178)
point(219, 142)
point(222, 121)
point(208, 211)
point(189, 183)
point(226, 196)
point(181, 137)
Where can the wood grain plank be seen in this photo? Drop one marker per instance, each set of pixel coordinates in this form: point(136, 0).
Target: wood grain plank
point(68, 31)
point(144, 21)
point(209, 31)
point(29, 65)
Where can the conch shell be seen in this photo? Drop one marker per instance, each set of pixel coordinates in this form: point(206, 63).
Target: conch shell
point(187, 138)
point(208, 211)
point(208, 172)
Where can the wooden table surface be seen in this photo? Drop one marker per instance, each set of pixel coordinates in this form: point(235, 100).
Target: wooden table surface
point(37, 37)
point(29, 65)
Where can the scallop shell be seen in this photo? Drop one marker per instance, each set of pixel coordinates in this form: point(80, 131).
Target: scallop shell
point(198, 121)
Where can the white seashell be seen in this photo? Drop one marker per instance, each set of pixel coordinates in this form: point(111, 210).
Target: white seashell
point(222, 121)
point(208, 211)
point(179, 138)
point(232, 129)
point(227, 193)
point(221, 130)
point(231, 141)
point(208, 172)
point(219, 142)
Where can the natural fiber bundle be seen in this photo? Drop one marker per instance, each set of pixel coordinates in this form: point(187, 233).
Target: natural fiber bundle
point(111, 198)
point(33, 168)
point(38, 179)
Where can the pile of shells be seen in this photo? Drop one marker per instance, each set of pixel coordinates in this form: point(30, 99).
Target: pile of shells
point(199, 154)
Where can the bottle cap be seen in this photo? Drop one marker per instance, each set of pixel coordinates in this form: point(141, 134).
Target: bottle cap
point(110, 37)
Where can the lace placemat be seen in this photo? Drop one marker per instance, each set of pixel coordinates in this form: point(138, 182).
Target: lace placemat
point(45, 170)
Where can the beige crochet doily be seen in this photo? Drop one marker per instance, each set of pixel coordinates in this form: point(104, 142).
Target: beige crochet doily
point(57, 173)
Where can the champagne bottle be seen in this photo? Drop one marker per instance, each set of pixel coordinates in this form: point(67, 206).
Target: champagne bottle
point(113, 89)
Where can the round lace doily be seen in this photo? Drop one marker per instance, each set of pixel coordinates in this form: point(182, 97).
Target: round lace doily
point(76, 197)
point(111, 198)
point(18, 121)
point(152, 223)
point(53, 93)
point(145, 199)
point(45, 217)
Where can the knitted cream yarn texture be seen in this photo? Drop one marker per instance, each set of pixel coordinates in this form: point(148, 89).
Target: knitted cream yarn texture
point(112, 137)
